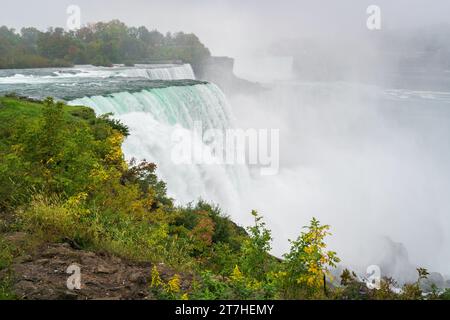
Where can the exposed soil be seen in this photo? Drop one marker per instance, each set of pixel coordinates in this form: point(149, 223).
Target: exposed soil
point(42, 275)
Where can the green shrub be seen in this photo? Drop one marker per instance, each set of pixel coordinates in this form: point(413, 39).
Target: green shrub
point(255, 256)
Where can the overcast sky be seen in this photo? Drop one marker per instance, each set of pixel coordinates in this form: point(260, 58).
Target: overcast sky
point(228, 27)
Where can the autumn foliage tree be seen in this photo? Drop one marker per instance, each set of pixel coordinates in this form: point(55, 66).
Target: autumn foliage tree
point(307, 266)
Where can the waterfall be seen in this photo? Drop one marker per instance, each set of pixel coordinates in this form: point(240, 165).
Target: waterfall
point(165, 73)
point(153, 115)
point(148, 72)
point(171, 105)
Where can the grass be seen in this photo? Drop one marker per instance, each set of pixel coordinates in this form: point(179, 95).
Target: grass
point(12, 108)
point(6, 259)
point(53, 220)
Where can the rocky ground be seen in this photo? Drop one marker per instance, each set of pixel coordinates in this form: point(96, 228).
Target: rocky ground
point(43, 275)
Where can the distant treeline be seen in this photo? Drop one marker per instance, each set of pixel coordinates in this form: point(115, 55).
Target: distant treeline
point(101, 44)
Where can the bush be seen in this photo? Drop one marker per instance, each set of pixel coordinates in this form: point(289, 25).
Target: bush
point(224, 231)
point(256, 261)
point(115, 124)
point(51, 218)
point(56, 220)
point(307, 265)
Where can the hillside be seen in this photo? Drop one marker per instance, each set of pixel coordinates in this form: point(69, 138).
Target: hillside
point(67, 196)
point(64, 180)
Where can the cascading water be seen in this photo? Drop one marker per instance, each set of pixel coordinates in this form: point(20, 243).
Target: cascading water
point(149, 72)
point(172, 105)
point(166, 73)
point(153, 115)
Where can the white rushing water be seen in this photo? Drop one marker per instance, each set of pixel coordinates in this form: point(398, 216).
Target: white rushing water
point(154, 115)
point(180, 72)
point(149, 72)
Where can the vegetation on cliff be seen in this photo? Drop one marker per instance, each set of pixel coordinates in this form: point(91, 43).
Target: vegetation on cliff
point(63, 179)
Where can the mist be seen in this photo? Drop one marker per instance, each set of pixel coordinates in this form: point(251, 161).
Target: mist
point(366, 170)
point(363, 115)
point(364, 133)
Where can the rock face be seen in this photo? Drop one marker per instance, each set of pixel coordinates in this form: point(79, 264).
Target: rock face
point(42, 275)
point(433, 279)
point(394, 262)
point(220, 70)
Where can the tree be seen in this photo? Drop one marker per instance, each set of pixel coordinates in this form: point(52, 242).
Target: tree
point(255, 259)
point(29, 39)
point(307, 265)
point(102, 44)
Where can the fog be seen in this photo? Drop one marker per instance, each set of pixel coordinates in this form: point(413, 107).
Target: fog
point(364, 115)
point(233, 27)
point(368, 171)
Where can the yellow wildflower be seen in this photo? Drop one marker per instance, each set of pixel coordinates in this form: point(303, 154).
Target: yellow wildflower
point(174, 284)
